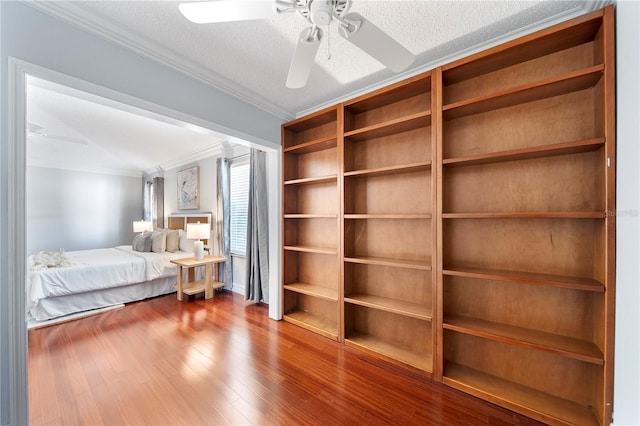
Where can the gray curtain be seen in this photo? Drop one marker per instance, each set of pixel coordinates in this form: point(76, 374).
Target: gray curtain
point(153, 195)
point(222, 246)
point(257, 277)
point(158, 202)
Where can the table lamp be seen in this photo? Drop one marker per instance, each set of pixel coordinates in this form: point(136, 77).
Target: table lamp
point(141, 226)
point(198, 231)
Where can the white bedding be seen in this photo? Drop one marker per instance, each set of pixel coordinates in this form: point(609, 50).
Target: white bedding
point(97, 270)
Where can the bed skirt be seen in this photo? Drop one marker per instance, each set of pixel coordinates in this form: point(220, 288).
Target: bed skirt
point(58, 306)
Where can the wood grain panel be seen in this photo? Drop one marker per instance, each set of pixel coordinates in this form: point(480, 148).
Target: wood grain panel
point(408, 285)
point(398, 149)
point(401, 239)
point(549, 246)
point(558, 376)
point(528, 306)
point(539, 68)
point(554, 120)
point(565, 183)
point(398, 193)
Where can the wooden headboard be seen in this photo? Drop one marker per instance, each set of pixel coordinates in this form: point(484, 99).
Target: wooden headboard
point(179, 221)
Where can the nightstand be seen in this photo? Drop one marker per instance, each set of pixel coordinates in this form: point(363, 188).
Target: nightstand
point(192, 286)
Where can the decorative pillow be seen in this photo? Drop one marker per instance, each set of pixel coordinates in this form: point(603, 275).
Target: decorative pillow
point(142, 242)
point(185, 243)
point(173, 240)
point(158, 242)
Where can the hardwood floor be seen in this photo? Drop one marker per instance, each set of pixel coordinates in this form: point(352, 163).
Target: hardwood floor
point(222, 361)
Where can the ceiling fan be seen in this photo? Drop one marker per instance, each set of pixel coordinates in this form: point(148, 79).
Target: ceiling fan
point(351, 26)
point(36, 131)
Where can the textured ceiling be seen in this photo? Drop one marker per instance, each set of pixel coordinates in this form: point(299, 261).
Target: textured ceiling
point(70, 129)
point(250, 59)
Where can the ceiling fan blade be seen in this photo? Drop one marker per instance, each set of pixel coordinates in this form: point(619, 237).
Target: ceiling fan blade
point(33, 127)
point(377, 43)
point(303, 58)
point(226, 10)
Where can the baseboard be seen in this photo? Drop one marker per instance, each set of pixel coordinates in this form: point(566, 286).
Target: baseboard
point(33, 324)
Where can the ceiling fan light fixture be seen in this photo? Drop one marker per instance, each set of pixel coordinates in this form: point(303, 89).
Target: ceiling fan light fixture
point(226, 11)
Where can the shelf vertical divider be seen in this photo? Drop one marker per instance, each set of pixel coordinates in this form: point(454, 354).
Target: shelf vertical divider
point(340, 219)
point(436, 170)
point(609, 108)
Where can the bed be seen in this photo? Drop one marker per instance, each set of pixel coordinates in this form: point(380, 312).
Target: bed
point(78, 281)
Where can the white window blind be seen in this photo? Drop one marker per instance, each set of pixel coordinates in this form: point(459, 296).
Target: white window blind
point(239, 180)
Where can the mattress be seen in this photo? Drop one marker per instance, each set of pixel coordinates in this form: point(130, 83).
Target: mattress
point(92, 273)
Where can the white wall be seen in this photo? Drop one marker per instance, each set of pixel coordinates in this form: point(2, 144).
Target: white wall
point(626, 407)
point(208, 182)
point(36, 38)
point(77, 210)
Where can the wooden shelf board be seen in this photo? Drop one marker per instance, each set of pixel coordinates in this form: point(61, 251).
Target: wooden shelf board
point(196, 287)
point(399, 263)
point(559, 345)
point(555, 86)
point(193, 287)
point(576, 283)
point(310, 216)
point(400, 307)
point(510, 54)
point(308, 249)
point(322, 326)
point(312, 146)
point(387, 216)
point(564, 148)
point(398, 125)
point(533, 403)
point(390, 170)
point(526, 215)
point(372, 344)
point(413, 86)
point(312, 180)
point(313, 290)
point(315, 119)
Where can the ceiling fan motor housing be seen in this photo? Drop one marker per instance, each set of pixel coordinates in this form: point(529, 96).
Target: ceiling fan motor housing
point(321, 12)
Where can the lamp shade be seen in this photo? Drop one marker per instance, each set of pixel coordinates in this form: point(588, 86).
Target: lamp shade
point(198, 231)
point(141, 226)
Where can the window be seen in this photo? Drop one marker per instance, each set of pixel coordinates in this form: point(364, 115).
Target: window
point(239, 182)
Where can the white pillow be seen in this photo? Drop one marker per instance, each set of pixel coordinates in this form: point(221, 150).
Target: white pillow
point(173, 240)
point(185, 243)
point(158, 242)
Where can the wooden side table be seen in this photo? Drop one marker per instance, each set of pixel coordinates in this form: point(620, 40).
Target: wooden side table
point(192, 286)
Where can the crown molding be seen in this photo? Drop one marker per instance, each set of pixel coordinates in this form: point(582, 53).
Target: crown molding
point(96, 170)
point(200, 154)
point(71, 14)
point(585, 7)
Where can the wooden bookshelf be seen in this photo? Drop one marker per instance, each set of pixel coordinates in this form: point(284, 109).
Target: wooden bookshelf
point(311, 223)
point(527, 144)
point(459, 222)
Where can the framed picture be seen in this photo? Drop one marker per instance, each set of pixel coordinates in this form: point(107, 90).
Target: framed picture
point(189, 188)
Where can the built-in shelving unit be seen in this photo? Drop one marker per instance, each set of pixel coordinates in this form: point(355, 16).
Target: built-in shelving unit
point(311, 223)
point(527, 143)
point(388, 224)
point(460, 222)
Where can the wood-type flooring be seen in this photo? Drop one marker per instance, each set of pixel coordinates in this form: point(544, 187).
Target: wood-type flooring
point(223, 361)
